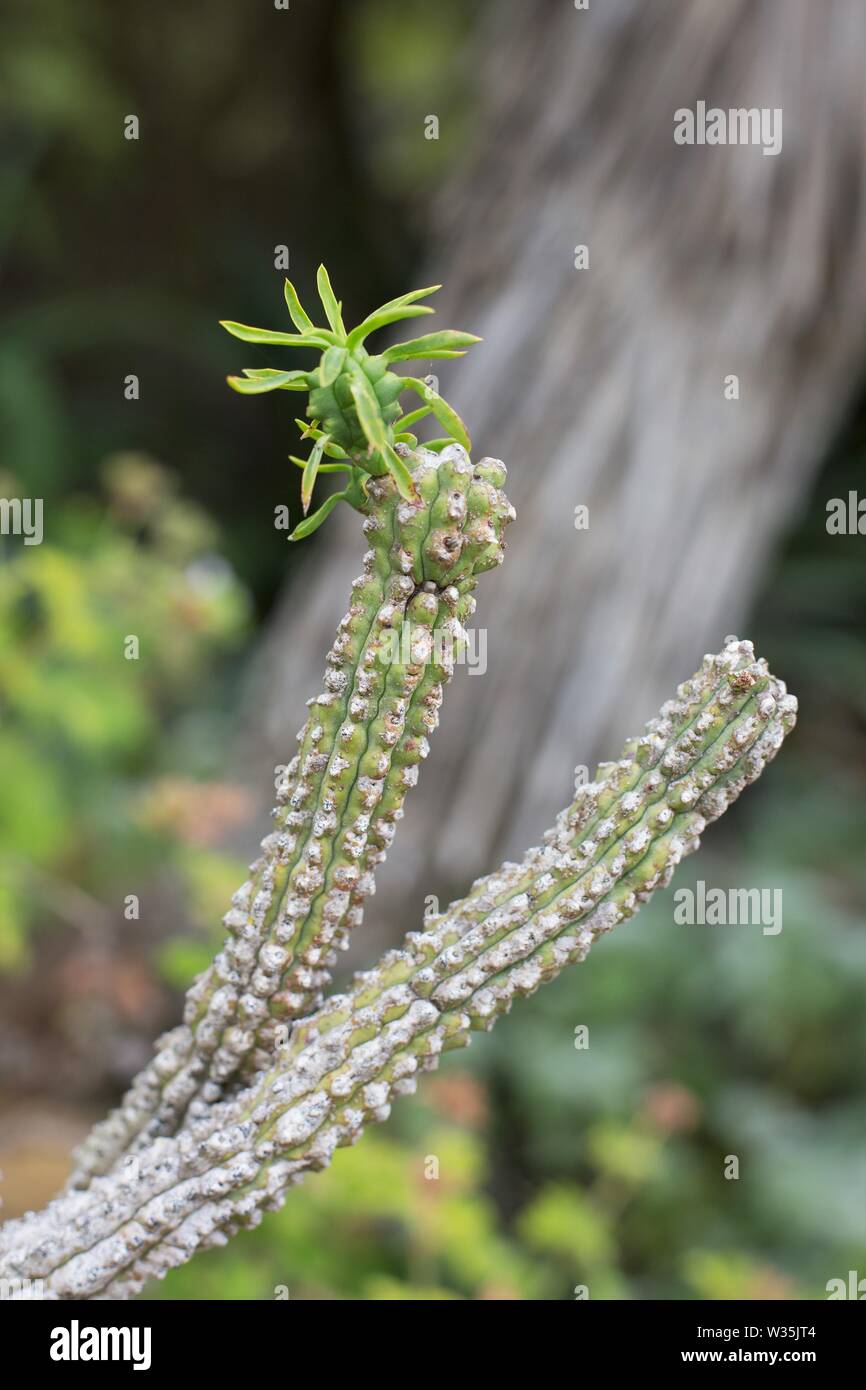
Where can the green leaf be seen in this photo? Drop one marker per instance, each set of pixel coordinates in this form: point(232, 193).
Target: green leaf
point(329, 302)
point(331, 365)
point(390, 312)
point(310, 431)
point(381, 318)
point(405, 437)
point(435, 445)
point(409, 298)
point(269, 335)
point(413, 417)
point(263, 373)
point(368, 412)
point(300, 318)
point(257, 380)
point(445, 413)
point(308, 481)
point(323, 467)
point(374, 428)
point(448, 343)
point(312, 523)
point(400, 473)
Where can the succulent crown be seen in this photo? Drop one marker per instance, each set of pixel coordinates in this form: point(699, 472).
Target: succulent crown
point(354, 415)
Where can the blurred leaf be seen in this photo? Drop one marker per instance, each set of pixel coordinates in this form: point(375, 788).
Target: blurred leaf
point(563, 1221)
point(624, 1153)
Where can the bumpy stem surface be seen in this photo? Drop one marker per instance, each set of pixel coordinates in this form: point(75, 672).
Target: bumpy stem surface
point(609, 850)
point(340, 798)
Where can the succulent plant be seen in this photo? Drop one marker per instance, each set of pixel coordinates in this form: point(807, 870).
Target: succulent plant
point(619, 841)
point(359, 751)
point(355, 419)
point(265, 1079)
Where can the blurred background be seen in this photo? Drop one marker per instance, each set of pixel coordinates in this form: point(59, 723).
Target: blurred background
point(148, 782)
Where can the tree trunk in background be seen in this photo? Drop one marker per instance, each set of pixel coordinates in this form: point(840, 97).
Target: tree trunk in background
point(606, 386)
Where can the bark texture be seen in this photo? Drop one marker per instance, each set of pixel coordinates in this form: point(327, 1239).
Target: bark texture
point(606, 386)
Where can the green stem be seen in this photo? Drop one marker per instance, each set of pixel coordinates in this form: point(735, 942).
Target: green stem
point(340, 800)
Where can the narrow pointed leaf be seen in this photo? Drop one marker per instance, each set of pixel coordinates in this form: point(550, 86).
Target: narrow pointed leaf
point(329, 302)
point(406, 437)
point(448, 343)
point(413, 417)
point(323, 467)
point(248, 334)
point(299, 316)
point(405, 352)
point(410, 298)
point(308, 481)
point(401, 475)
point(435, 445)
point(445, 413)
point(312, 523)
point(254, 383)
point(331, 365)
point(265, 373)
point(368, 412)
point(382, 317)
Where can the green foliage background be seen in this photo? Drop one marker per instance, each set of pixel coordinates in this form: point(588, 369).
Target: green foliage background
point(558, 1167)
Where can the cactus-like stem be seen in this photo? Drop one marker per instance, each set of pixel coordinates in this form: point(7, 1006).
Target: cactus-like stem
point(609, 850)
point(340, 798)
